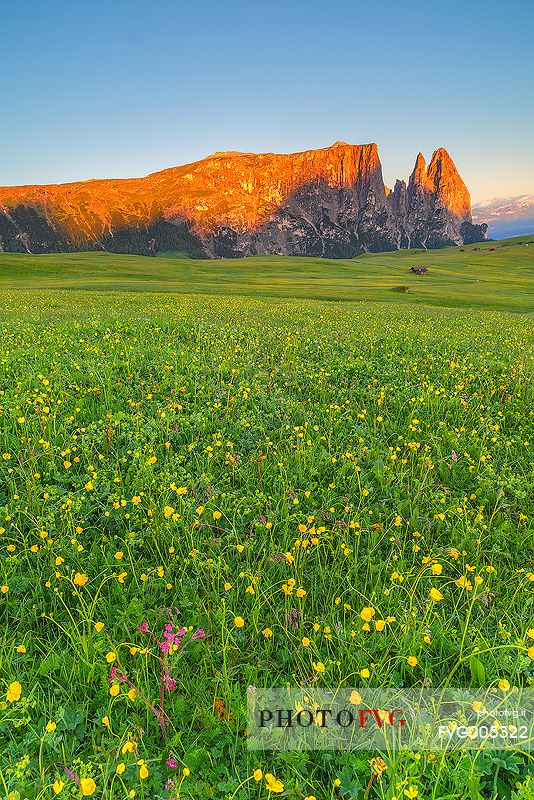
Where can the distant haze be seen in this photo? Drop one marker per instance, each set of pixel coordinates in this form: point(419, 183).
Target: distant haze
point(507, 216)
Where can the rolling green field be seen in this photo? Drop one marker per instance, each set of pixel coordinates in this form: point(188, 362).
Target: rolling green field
point(212, 478)
point(477, 279)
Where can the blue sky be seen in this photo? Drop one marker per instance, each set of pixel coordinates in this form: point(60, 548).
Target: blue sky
point(122, 88)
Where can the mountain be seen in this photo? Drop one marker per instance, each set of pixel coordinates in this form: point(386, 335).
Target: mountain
point(507, 216)
point(330, 202)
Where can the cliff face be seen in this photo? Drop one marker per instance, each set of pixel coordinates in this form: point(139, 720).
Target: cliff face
point(329, 202)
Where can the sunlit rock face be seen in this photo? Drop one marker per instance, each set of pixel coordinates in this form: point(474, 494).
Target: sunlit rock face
point(434, 209)
point(330, 203)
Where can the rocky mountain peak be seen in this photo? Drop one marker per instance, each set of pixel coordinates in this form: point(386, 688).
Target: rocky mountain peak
point(435, 208)
point(448, 185)
point(418, 176)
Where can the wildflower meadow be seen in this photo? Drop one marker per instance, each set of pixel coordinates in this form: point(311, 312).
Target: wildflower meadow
point(201, 493)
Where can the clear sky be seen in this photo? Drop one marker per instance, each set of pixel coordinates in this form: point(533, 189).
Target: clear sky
point(119, 88)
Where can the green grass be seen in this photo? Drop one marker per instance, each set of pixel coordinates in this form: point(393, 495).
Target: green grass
point(483, 279)
point(169, 449)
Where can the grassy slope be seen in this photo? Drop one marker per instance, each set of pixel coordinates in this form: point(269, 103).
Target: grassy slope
point(483, 279)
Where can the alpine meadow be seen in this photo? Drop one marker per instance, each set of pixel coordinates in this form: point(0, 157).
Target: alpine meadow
point(228, 488)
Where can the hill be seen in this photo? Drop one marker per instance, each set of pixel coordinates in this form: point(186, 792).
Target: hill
point(457, 277)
